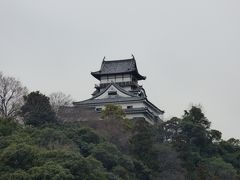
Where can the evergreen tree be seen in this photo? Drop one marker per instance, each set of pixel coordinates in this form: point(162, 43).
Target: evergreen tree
point(37, 110)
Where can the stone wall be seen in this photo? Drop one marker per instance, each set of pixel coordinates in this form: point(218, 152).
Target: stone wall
point(76, 113)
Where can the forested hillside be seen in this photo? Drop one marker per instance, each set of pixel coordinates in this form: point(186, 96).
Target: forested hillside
point(34, 144)
point(116, 148)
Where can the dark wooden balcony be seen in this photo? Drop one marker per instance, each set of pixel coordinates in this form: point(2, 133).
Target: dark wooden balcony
point(121, 84)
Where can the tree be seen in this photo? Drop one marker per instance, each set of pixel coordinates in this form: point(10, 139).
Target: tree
point(58, 99)
point(106, 153)
point(142, 140)
point(51, 170)
point(203, 153)
point(50, 138)
point(217, 168)
point(193, 129)
point(115, 128)
point(18, 174)
point(112, 111)
point(7, 127)
point(161, 158)
point(11, 96)
point(20, 156)
point(37, 110)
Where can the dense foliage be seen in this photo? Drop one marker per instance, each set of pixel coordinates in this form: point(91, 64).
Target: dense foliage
point(68, 151)
point(204, 154)
point(37, 110)
point(115, 148)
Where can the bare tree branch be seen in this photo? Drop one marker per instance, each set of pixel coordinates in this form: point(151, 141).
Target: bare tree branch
point(58, 99)
point(11, 96)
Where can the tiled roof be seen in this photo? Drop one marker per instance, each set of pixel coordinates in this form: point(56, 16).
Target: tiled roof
point(108, 100)
point(118, 67)
point(93, 100)
point(117, 99)
point(116, 86)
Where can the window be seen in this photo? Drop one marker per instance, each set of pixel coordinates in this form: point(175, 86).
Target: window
point(112, 93)
point(129, 107)
point(98, 109)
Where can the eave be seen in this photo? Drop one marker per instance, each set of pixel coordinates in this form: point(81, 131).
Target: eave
point(98, 74)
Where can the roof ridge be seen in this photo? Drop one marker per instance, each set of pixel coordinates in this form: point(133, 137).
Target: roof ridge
point(116, 60)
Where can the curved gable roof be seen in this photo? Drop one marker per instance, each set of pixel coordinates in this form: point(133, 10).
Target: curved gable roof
point(102, 92)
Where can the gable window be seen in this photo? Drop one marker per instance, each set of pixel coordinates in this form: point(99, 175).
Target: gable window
point(112, 93)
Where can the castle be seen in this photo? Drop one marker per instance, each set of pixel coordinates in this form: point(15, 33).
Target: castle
point(119, 85)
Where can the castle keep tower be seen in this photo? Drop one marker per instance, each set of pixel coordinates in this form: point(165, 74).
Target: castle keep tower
point(119, 85)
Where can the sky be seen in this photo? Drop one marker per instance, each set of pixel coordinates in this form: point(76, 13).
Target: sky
point(189, 50)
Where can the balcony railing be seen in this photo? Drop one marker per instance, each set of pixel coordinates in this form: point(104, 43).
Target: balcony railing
point(122, 84)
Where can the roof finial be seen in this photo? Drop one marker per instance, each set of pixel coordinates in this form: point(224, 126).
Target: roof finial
point(133, 57)
point(104, 58)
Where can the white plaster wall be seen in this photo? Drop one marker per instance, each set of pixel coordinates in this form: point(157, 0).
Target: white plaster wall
point(131, 116)
point(141, 105)
point(135, 105)
point(103, 81)
point(124, 106)
point(127, 88)
point(117, 78)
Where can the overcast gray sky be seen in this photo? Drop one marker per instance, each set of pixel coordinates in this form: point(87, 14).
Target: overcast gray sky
point(189, 50)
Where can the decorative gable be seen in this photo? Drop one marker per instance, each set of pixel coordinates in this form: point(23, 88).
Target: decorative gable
point(112, 92)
